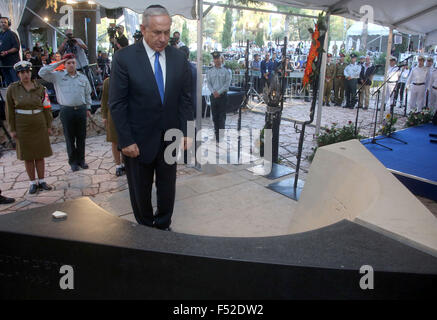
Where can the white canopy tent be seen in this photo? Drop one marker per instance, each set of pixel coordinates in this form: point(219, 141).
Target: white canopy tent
point(372, 30)
point(186, 8)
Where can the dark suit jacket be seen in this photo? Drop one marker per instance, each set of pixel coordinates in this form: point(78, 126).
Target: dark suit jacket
point(367, 75)
point(135, 104)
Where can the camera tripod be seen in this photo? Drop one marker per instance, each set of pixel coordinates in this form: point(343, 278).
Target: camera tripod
point(252, 92)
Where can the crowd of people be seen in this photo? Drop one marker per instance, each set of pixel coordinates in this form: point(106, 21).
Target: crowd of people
point(348, 84)
point(134, 99)
point(354, 80)
point(28, 108)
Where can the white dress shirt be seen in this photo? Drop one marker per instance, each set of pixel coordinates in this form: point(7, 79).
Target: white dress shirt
point(151, 55)
point(393, 74)
point(433, 80)
point(417, 75)
point(353, 71)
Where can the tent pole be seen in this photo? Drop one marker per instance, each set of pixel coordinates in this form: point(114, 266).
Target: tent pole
point(199, 83)
point(387, 63)
point(322, 76)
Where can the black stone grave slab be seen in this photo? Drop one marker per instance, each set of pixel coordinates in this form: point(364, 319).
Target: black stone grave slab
point(115, 258)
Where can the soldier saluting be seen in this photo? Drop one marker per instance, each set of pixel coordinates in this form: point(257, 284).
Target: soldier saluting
point(329, 79)
point(352, 74)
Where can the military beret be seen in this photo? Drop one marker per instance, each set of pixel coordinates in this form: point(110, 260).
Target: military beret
point(69, 56)
point(22, 66)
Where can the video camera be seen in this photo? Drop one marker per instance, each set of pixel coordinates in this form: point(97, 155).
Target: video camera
point(173, 41)
point(112, 30)
point(137, 35)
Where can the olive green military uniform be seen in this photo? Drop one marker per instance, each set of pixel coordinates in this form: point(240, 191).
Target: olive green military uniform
point(33, 142)
point(339, 82)
point(329, 81)
point(111, 133)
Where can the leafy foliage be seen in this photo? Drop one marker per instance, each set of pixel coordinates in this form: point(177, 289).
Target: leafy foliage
point(335, 134)
point(259, 40)
point(232, 64)
point(416, 118)
point(185, 36)
point(227, 30)
point(207, 58)
point(388, 124)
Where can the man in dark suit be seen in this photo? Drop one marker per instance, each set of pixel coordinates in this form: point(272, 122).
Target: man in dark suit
point(150, 94)
point(366, 76)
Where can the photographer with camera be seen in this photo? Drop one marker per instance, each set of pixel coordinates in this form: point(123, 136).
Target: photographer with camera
point(77, 47)
point(120, 41)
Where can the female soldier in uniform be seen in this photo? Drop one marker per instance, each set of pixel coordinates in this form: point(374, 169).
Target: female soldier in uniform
point(30, 123)
point(111, 134)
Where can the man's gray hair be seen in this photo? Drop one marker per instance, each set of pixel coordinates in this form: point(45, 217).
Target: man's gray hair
point(154, 10)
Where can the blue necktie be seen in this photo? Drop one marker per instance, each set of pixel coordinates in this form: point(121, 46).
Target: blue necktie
point(158, 76)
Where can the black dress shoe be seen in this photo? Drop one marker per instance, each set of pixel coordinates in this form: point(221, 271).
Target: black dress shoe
point(83, 165)
point(33, 188)
point(44, 186)
point(119, 172)
point(74, 167)
point(6, 200)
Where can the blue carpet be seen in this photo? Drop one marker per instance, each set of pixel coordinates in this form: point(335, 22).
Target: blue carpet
point(418, 157)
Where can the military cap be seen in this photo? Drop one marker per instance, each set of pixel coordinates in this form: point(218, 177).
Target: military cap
point(393, 58)
point(329, 55)
point(429, 59)
point(353, 55)
point(23, 66)
point(421, 58)
point(216, 54)
point(341, 54)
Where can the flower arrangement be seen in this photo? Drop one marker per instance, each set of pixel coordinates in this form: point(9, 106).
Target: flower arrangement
point(419, 117)
point(336, 134)
point(316, 48)
point(388, 125)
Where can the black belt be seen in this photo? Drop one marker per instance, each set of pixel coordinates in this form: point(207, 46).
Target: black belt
point(419, 84)
point(74, 107)
point(391, 81)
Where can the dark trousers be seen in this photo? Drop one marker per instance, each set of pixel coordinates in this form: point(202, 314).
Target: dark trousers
point(218, 109)
point(9, 75)
point(400, 87)
point(257, 84)
point(74, 123)
point(351, 90)
point(140, 180)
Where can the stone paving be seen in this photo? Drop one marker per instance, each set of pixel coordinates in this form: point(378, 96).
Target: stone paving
point(100, 183)
point(99, 179)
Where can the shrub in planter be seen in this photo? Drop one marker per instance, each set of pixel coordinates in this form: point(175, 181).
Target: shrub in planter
point(416, 118)
point(334, 135)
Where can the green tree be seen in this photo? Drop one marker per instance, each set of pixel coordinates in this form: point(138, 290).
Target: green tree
point(227, 30)
point(185, 36)
point(259, 40)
